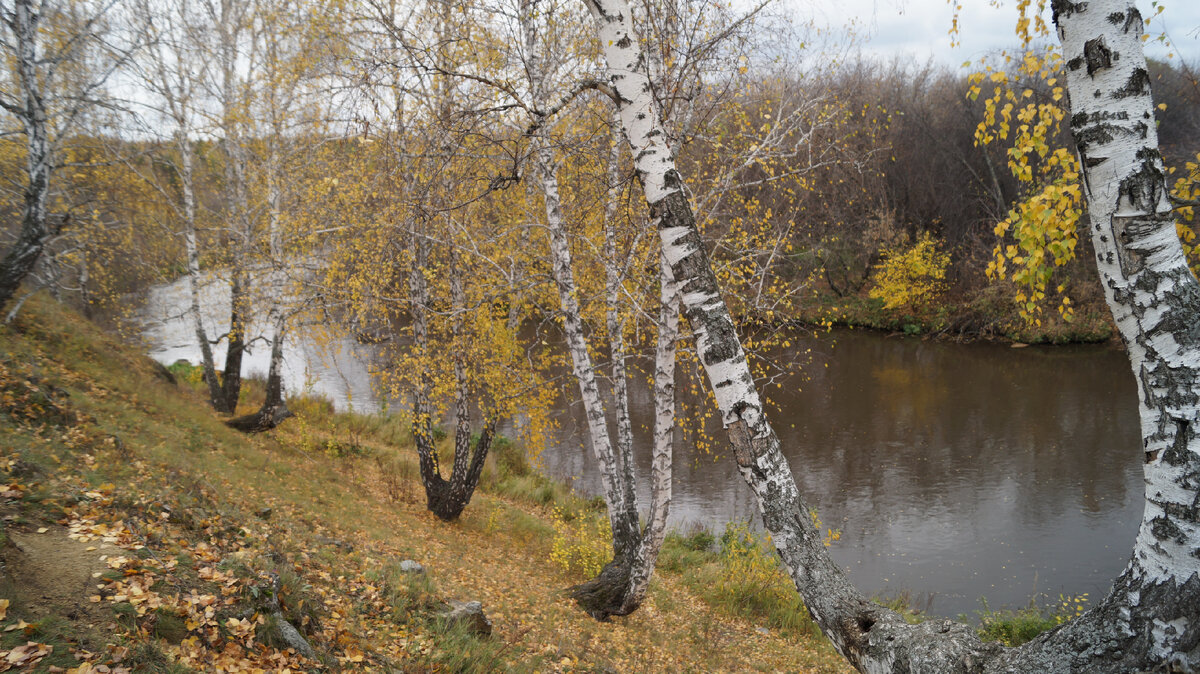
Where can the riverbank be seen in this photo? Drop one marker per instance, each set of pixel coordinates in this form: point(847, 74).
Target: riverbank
point(987, 315)
point(171, 542)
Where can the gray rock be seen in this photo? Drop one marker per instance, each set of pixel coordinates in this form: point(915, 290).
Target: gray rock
point(469, 614)
point(292, 637)
point(409, 566)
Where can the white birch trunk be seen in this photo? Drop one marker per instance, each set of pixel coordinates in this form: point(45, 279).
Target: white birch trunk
point(192, 250)
point(872, 638)
point(546, 171)
point(20, 260)
point(623, 448)
point(230, 16)
point(1151, 618)
point(664, 437)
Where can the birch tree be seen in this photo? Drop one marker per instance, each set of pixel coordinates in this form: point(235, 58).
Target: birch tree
point(621, 585)
point(172, 72)
point(230, 25)
point(1149, 619)
point(58, 56)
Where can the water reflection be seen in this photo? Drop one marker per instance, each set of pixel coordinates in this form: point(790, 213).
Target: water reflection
point(960, 471)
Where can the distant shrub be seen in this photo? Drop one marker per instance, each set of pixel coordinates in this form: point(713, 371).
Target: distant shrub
point(912, 278)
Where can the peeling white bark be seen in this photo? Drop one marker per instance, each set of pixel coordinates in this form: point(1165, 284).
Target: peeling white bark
point(546, 170)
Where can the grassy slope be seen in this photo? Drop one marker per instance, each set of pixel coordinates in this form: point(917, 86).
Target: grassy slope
point(97, 447)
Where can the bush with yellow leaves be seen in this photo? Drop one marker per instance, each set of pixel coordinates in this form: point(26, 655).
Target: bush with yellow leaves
point(582, 544)
point(912, 278)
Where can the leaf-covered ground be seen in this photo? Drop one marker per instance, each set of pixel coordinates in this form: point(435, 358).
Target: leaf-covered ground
point(141, 534)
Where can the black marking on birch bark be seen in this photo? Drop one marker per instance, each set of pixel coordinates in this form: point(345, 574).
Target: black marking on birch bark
point(1116, 18)
point(1164, 529)
point(1138, 84)
point(1127, 231)
point(1133, 19)
point(1065, 8)
point(1176, 454)
point(1098, 134)
point(1075, 64)
point(1145, 187)
point(1097, 55)
point(624, 42)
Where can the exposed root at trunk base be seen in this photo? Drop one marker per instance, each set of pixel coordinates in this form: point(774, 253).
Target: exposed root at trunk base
point(441, 502)
point(607, 594)
point(262, 420)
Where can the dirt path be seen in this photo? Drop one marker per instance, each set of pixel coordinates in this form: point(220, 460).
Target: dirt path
point(52, 575)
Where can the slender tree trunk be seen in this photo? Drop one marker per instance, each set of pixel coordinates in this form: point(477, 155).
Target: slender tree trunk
point(235, 185)
point(422, 409)
point(468, 465)
point(1149, 621)
point(192, 249)
point(20, 260)
point(624, 528)
point(623, 447)
point(620, 587)
point(664, 439)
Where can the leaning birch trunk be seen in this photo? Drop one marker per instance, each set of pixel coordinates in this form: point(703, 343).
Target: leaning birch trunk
point(1149, 620)
point(28, 248)
point(870, 637)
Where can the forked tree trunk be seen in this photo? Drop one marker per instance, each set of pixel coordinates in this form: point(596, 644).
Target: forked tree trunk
point(24, 254)
point(444, 498)
point(620, 587)
point(274, 408)
point(1149, 620)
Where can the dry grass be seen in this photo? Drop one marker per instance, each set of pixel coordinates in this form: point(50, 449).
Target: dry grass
point(344, 508)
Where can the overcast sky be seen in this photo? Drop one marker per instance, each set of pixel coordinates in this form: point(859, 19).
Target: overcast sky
point(919, 27)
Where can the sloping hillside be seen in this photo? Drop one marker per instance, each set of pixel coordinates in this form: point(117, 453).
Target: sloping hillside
point(140, 533)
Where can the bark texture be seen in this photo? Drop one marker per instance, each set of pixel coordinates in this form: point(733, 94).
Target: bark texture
point(1149, 620)
point(24, 254)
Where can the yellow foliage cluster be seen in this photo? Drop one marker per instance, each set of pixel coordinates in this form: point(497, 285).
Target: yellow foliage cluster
point(914, 277)
point(1042, 227)
point(1187, 189)
point(582, 545)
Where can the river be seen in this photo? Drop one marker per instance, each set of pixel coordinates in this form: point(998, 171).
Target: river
point(955, 472)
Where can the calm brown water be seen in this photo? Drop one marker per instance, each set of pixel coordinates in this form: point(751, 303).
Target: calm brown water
point(955, 472)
